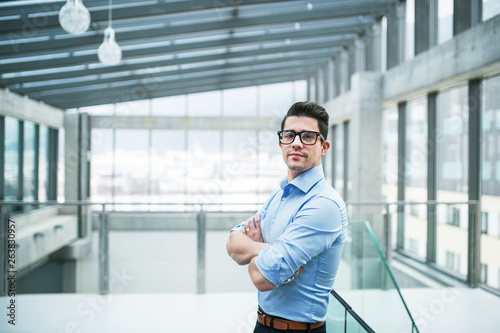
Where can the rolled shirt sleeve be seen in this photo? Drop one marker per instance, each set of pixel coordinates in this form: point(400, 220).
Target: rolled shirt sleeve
point(310, 232)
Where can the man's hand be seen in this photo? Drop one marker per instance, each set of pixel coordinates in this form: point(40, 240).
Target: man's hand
point(252, 229)
point(243, 246)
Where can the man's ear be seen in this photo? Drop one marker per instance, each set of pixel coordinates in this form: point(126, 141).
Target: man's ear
point(324, 147)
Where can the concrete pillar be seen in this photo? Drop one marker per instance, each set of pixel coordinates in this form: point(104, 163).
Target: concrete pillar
point(362, 107)
point(330, 80)
point(372, 40)
point(77, 163)
point(466, 14)
point(396, 18)
point(426, 22)
point(359, 50)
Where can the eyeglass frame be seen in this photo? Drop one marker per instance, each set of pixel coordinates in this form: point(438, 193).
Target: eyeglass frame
point(318, 134)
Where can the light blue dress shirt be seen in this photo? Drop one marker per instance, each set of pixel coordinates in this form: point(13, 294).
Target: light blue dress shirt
point(306, 223)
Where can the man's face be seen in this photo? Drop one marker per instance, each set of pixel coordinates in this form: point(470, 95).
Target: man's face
point(298, 156)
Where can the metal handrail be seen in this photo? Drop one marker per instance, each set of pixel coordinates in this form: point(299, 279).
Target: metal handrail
point(348, 309)
point(201, 229)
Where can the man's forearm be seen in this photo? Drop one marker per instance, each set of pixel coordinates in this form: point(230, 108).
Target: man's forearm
point(242, 248)
point(259, 281)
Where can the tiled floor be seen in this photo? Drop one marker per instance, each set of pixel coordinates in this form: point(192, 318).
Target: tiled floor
point(435, 311)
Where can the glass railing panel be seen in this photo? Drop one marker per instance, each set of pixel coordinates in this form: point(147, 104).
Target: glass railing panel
point(341, 317)
point(365, 281)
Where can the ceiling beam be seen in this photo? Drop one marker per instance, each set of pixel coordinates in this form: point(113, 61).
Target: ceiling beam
point(84, 71)
point(302, 60)
point(144, 50)
point(44, 15)
point(124, 94)
point(24, 47)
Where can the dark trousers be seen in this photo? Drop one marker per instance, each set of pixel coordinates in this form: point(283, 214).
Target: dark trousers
point(259, 328)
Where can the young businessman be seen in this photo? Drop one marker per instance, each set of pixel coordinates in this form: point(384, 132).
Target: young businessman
point(293, 244)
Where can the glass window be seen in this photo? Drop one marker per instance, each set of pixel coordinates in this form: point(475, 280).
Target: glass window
point(490, 186)
point(102, 165)
point(206, 104)
point(29, 163)
point(416, 147)
point(271, 167)
point(452, 143)
point(43, 164)
point(240, 102)
point(416, 176)
point(491, 8)
point(299, 91)
point(11, 159)
point(131, 167)
point(133, 108)
point(445, 20)
point(338, 158)
point(168, 166)
point(169, 106)
point(390, 154)
point(410, 29)
point(327, 160)
point(61, 166)
point(102, 110)
point(239, 167)
point(452, 179)
point(203, 166)
point(275, 99)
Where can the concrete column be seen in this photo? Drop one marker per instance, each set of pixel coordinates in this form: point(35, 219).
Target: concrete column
point(330, 80)
point(466, 14)
point(343, 70)
point(425, 25)
point(396, 18)
point(311, 91)
point(372, 40)
point(360, 54)
point(362, 108)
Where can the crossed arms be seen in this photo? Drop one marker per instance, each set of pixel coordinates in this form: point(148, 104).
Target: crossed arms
point(244, 246)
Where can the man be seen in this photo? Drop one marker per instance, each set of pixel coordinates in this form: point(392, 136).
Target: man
point(293, 244)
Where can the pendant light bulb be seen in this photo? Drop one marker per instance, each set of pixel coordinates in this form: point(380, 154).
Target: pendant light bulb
point(109, 51)
point(74, 17)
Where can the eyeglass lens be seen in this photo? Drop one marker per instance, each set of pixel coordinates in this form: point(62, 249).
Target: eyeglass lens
point(307, 137)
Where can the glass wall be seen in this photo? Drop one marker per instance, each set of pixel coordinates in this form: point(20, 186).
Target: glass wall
point(445, 20)
point(102, 164)
point(410, 30)
point(416, 177)
point(43, 164)
point(29, 162)
point(26, 163)
point(131, 166)
point(338, 158)
point(491, 8)
point(390, 154)
point(452, 180)
point(195, 165)
point(490, 171)
point(11, 159)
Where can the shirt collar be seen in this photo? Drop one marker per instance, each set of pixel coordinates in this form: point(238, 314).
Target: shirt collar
point(305, 180)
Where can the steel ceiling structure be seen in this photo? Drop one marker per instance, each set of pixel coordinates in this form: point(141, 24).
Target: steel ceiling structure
point(174, 47)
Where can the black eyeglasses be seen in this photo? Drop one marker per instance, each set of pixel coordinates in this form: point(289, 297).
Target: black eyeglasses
point(308, 138)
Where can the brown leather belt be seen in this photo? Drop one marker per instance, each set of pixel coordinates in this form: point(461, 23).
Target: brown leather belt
point(285, 324)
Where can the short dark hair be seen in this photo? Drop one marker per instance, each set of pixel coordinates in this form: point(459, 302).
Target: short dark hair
point(311, 110)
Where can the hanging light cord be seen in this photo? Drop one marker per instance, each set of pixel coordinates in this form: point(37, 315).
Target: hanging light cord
point(109, 13)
